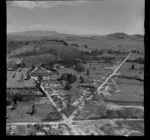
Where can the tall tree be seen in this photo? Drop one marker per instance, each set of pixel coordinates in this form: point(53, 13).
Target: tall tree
point(81, 79)
point(33, 110)
point(133, 67)
point(22, 77)
point(88, 72)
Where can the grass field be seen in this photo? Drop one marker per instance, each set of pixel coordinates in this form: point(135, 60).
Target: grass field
point(14, 79)
point(21, 113)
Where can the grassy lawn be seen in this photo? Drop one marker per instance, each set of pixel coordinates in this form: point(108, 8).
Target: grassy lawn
point(128, 93)
point(91, 111)
point(21, 113)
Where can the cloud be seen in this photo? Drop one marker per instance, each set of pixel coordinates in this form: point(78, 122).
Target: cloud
point(44, 4)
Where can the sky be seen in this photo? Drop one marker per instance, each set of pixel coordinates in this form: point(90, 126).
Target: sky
point(98, 17)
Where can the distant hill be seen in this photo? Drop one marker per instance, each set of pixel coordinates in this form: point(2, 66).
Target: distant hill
point(125, 36)
point(32, 43)
point(28, 35)
point(118, 35)
point(36, 33)
point(34, 47)
point(31, 35)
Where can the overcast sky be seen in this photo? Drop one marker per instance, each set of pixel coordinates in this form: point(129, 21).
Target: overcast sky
point(78, 17)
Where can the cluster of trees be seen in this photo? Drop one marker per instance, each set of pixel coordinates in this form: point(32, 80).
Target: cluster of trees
point(37, 52)
point(118, 52)
point(79, 67)
point(67, 86)
point(68, 62)
point(82, 79)
point(15, 96)
point(70, 78)
point(109, 51)
point(139, 60)
point(13, 44)
point(107, 59)
point(136, 51)
point(48, 65)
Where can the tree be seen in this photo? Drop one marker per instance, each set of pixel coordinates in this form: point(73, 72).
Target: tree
point(68, 77)
point(15, 99)
point(39, 77)
point(28, 76)
point(22, 77)
point(67, 86)
point(87, 72)
point(33, 67)
point(81, 79)
point(8, 102)
point(133, 67)
point(85, 46)
point(33, 111)
point(68, 101)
